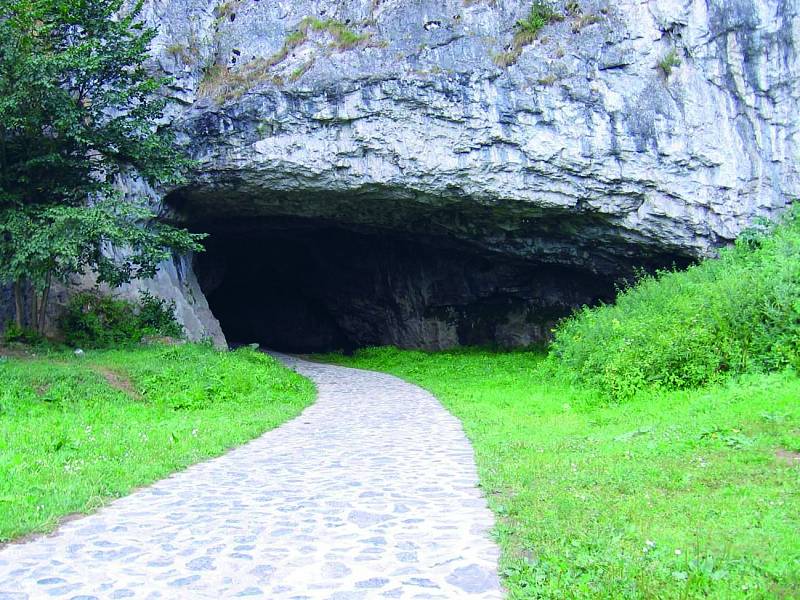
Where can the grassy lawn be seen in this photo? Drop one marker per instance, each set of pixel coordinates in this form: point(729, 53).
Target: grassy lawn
point(668, 495)
point(78, 432)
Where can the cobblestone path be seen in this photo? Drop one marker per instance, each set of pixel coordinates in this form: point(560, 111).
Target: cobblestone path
point(370, 493)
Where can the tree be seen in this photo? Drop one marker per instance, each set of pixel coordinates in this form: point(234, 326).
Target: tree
point(78, 110)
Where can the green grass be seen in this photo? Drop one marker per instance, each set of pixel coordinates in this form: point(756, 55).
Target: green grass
point(344, 36)
point(225, 84)
point(539, 16)
point(70, 441)
point(669, 495)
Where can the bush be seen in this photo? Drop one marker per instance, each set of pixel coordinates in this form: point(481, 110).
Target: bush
point(13, 333)
point(540, 15)
point(157, 316)
point(668, 62)
point(95, 320)
point(674, 330)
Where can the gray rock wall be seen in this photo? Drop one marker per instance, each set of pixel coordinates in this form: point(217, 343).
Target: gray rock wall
point(416, 116)
point(583, 152)
point(584, 122)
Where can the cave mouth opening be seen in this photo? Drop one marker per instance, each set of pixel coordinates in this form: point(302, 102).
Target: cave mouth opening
point(308, 285)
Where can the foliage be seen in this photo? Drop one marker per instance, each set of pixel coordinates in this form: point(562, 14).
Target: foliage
point(625, 501)
point(60, 241)
point(95, 320)
point(669, 61)
point(344, 36)
point(540, 15)
point(157, 316)
point(78, 106)
point(16, 334)
point(78, 432)
point(78, 110)
point(686, 329)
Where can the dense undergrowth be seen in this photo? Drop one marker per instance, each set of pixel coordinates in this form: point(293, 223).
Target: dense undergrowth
point(95, 320)
point(681, 330)
point(92, 319)
point(76, 432)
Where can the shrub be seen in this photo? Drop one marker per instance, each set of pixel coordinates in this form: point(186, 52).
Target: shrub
point(541, 14)
point(157, 316)
point(95, 320)
point(672, 330)
point(668, 62)
point(13, 333)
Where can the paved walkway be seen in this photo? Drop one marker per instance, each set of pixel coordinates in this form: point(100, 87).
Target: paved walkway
point(370, 493)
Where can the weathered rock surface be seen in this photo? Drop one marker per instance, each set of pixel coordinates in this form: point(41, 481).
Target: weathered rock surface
point(583, 124)
point(583, 153)
point(394, 115)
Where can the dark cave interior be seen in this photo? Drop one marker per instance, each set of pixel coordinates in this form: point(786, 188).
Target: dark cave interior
point(311, 285)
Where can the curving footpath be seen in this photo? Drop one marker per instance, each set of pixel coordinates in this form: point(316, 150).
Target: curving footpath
point(370, 493)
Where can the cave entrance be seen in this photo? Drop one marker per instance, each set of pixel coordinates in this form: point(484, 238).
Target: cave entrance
point(306, 285)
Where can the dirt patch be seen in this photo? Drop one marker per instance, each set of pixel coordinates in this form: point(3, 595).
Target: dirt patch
point(788, 456)
point(117, 381)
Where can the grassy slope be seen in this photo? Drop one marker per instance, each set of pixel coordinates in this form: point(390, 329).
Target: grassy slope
point(680, 330)
point(672, 495)
point(69, 441)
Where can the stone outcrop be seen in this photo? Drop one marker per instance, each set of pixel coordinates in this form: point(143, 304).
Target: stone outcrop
point(628, 134)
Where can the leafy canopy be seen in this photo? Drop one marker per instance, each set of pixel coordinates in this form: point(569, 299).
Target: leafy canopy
point(78, 109)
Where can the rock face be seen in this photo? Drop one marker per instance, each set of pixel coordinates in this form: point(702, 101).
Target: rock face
point(628, 134)
point(395, 171)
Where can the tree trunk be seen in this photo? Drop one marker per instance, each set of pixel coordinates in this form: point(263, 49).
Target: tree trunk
point(19, 306)
point(45, 300)
point(34, 316)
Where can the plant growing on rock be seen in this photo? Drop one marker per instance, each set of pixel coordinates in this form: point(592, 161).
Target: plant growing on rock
point(224, 83)
point(77, 111)
point(541, 14)
point(668, 62)
point(573, 8)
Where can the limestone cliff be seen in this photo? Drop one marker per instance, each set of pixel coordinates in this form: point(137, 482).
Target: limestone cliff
point(628, 133)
